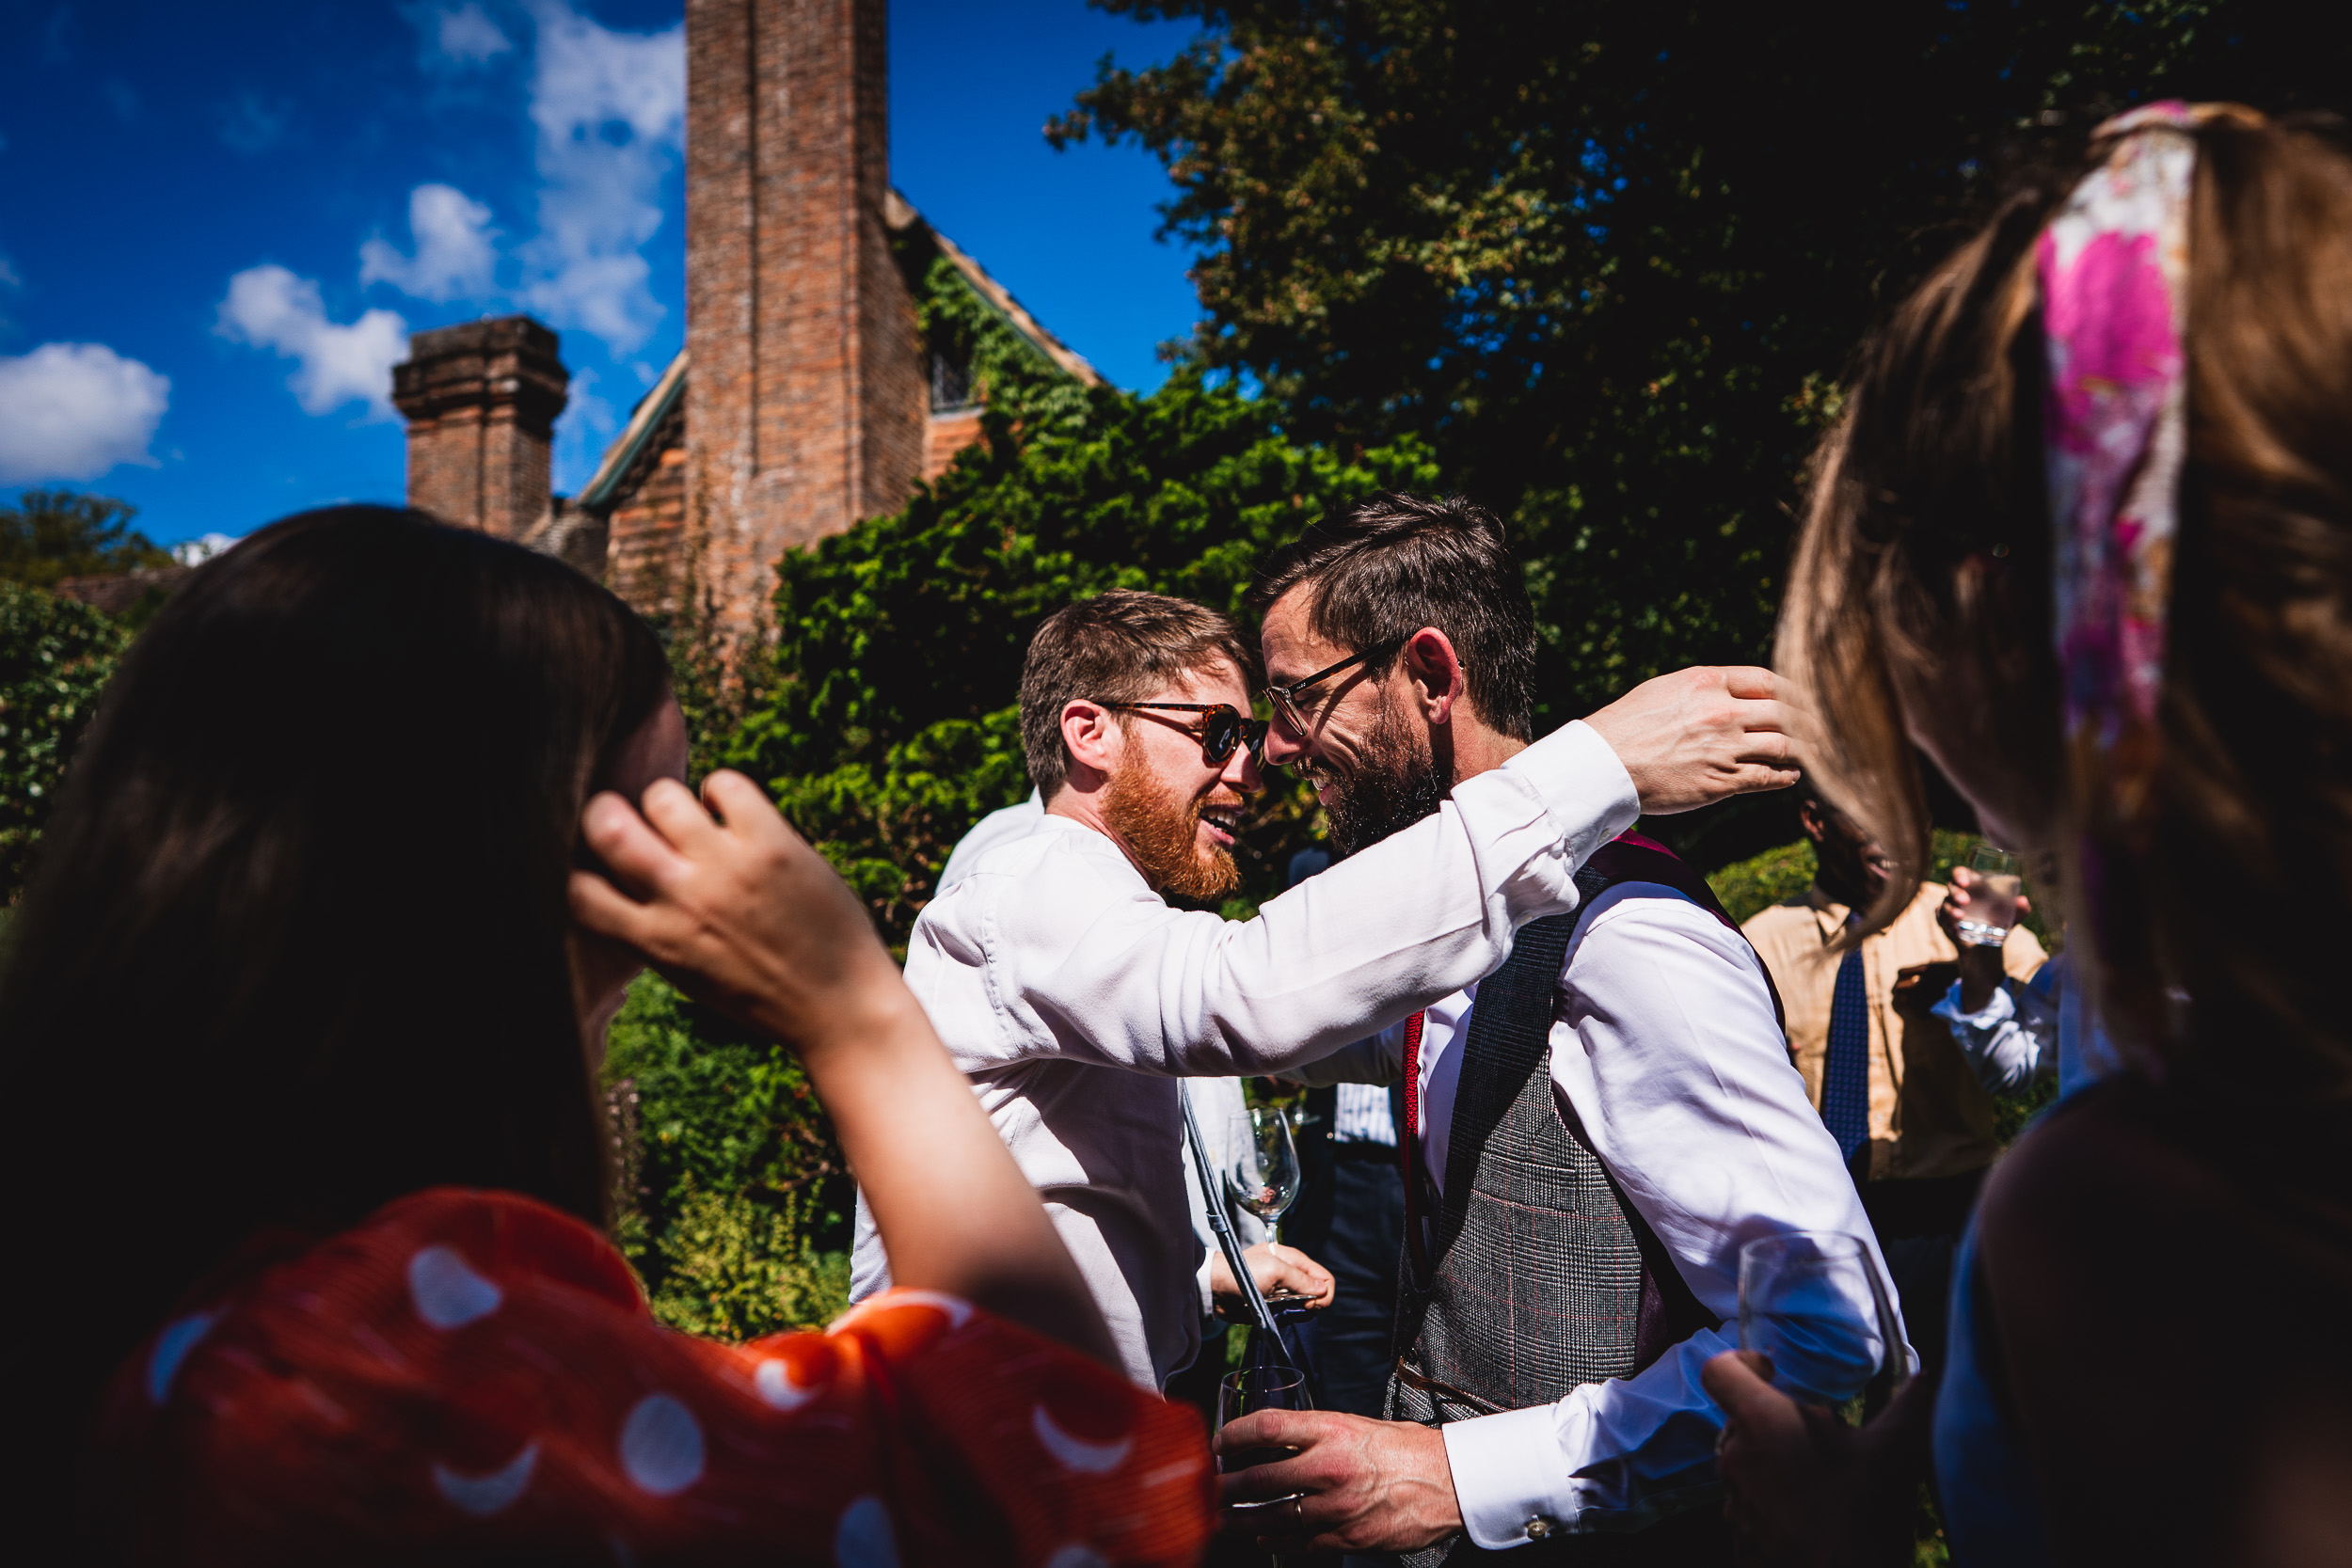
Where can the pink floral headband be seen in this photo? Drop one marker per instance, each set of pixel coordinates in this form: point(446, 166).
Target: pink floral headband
point(2114, 272)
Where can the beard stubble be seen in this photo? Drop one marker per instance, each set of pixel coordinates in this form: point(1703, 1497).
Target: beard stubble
point(1160, 830)
point(1398, 785)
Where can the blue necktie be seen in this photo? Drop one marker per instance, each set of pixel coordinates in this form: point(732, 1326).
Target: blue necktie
point(1846, 1069)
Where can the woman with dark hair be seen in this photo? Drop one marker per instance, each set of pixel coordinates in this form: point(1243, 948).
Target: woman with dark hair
point(313, 1189)
point(2085, 537)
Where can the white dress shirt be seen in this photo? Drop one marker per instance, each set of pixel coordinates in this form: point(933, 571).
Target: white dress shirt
point(1668, 1052)
point(1073, 996)
point(998, 826)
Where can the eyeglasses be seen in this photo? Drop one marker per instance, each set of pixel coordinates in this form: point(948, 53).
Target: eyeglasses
point(1221, 728)
point(1285, 698)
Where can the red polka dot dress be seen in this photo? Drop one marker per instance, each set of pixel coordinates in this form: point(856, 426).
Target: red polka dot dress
point(474, 1376)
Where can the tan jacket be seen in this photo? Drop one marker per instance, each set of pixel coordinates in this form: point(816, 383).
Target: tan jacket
point(1928, 1115)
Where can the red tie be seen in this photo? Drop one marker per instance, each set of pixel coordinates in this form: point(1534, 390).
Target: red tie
point(1409, 1145)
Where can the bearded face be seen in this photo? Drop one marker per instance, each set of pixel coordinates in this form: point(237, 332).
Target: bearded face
point(1160, 827)
point(1395, 784)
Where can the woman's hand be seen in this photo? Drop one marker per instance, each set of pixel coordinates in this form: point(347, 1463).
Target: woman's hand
point(1805, 1490)
point(1980, 965)
point(742, 913)
point(738, 909)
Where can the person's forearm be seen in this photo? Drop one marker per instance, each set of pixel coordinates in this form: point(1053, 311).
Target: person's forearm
point(953, 1209)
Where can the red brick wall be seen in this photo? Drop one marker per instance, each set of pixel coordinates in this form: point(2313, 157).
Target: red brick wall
point(807, 393)
point(644, 555)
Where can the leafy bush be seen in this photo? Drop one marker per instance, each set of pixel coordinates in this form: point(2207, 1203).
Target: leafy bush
point(733, 1201)
point(54, 659)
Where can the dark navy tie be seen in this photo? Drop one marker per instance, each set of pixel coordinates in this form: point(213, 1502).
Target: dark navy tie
point(1846, 1068)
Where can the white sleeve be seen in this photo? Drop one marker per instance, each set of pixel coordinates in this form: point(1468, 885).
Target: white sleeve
point(1128, 982)
point(1670, 1056)
point(2008, 1040)
point(1374, 1060)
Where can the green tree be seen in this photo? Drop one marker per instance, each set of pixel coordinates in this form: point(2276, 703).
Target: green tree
point(50, 535)
point(56, 656)
point(1608, 257)
point(889, 724)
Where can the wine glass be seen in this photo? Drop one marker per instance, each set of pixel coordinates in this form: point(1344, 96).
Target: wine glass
point(1252, 1389)
point(1992, 897)
point(1816, 1305)
point(1261, 1162)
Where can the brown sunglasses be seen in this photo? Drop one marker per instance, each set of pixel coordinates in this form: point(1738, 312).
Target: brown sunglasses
point(1221, 728)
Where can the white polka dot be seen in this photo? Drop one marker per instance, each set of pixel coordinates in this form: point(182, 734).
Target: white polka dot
point(171, 1348)
point(1076, 1556)
point(778, 1388)
point(662, 1445)
point(448, 1293)
point(483, 1495)
point(958, 1309)
point(864, 1539)
point(1076, 1454)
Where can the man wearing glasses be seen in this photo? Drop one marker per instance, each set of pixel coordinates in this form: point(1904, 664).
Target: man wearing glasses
point(1074, 995)
point(1591, 1130)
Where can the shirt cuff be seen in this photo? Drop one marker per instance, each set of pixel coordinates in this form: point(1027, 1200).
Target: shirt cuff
point(1507, 1475)
point(1997, 1011)
point(1544, 812)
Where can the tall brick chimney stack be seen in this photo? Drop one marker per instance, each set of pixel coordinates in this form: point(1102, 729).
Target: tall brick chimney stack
point(807, 405)
point(481, 400)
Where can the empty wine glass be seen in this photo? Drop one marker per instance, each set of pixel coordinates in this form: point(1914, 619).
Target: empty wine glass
point(1261, 1161)
point(1816, 1305)
point(1992, 897)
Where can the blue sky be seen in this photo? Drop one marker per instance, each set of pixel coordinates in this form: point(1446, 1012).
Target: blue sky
point(219, 221)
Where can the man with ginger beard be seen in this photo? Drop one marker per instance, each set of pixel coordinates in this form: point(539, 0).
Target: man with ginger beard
point(1075, 996)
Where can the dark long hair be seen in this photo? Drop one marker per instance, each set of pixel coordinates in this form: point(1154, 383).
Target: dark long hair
point(295, 941)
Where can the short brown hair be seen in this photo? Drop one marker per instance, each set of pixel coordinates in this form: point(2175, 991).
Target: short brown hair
point(2230, 888)
point(1393, 563)
point(1119, 647)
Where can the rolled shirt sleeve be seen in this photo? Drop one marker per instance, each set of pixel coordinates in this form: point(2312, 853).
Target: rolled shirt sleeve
point(2008, 1040)
point(1670, 1056)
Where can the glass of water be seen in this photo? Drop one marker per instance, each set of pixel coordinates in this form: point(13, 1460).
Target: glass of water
point(1992, 897)
point(1817, 1303)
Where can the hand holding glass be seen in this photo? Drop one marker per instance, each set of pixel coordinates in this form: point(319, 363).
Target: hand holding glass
point(1255, 1388)
point(1261, 1161)
point(1992, 897)
point(1816, 1304)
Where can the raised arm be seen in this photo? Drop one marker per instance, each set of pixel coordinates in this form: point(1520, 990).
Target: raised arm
point(733, 904)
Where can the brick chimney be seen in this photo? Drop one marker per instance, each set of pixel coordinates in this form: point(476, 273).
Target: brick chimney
point(481, 400)
point(807, 405)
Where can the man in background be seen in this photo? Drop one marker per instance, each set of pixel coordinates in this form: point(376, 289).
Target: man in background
point(1911, 1117)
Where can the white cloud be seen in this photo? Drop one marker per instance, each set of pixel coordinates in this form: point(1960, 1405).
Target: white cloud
point(74, 410)
point(195, 552)
point(455, 257)
point(270, 307)
point(609, 108)
point(466, 35)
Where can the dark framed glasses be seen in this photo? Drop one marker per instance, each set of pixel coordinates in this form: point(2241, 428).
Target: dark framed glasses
point(1285, 699)
point(1221, 728)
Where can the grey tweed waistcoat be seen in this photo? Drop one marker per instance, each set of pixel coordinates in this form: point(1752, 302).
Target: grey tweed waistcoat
point(1539, 1276)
